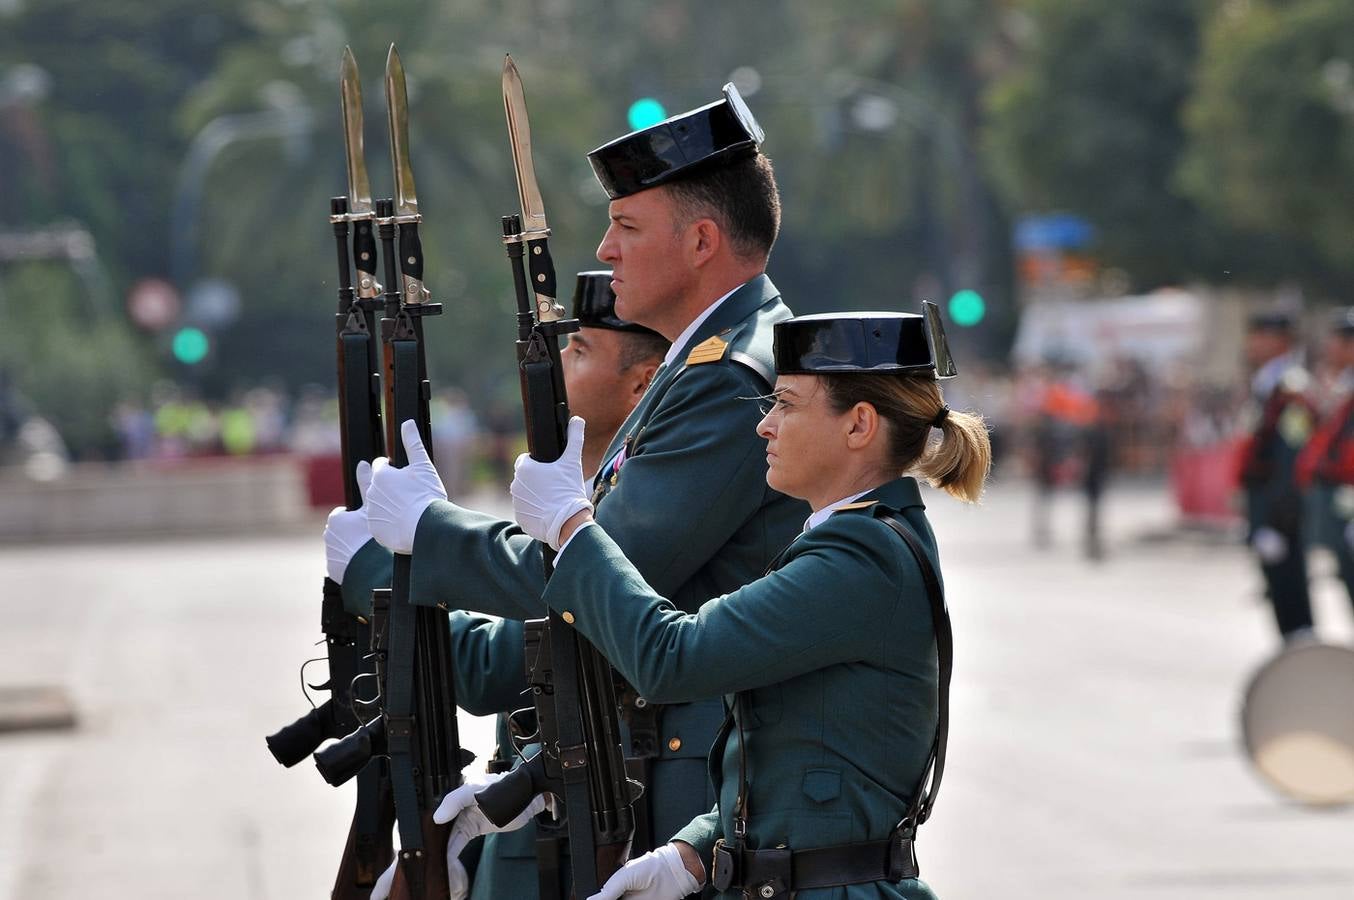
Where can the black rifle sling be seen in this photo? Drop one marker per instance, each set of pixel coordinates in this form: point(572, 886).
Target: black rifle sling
point(357, 383)
point(573, 755)
point(356, 341)
point(369, 801)
point(401, 628)
point(924, 799)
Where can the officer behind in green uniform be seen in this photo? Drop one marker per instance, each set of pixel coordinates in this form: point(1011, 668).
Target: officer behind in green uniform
point(682, 487)
point(838, 703)
point(1282, 422)
point(1326, 465)
point(608, 364)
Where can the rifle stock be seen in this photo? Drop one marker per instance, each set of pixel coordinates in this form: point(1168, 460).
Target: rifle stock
point(424, 877)
point(580, 761)
point(370, 846)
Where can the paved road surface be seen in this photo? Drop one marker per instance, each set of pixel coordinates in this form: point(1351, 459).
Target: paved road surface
point(1094, 750)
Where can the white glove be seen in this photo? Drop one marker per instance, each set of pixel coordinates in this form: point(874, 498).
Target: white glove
point(1269, 545)
point(546, 495)
point(346, 530)
point(657, 875)
point(397, 497)
point(460, 805)
point(381, 890)
point(470, 822)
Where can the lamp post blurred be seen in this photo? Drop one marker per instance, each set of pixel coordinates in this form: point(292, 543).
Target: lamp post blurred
point(291, 121)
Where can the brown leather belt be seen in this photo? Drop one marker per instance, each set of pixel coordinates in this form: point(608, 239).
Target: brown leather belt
point(767, 874)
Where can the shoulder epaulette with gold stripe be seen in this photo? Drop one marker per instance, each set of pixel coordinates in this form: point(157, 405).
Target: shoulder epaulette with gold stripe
point(859, 504)
point(707, 351)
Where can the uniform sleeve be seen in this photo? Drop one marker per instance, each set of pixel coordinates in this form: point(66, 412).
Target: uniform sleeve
point(368, 570)
point(702, 834)
point(473, 561)
point(825, 606)
point(489, 664)
point(697, 475)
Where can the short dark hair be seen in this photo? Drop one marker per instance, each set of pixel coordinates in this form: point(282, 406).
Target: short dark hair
point(741, 197)
point(641, 347)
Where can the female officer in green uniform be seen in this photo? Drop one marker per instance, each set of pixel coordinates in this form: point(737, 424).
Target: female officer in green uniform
point(829, 664)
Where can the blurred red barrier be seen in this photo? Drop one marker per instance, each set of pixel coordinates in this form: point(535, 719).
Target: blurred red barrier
point(1203, 482)
point(324, 480)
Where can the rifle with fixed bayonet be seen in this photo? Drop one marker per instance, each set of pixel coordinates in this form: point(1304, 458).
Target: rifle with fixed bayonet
point(422, 739)
point(347, 629)
point(580, 762)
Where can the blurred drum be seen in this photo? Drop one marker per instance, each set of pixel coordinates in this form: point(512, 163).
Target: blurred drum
point(1298, 723)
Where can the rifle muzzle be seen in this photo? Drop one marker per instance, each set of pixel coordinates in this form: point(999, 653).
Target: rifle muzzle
point(343, 759)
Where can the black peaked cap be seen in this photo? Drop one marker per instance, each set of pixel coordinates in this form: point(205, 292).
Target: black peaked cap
point(595, 304)
point(864, 342)
point(715, 134)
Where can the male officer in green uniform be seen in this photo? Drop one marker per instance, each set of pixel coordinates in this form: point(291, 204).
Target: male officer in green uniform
point(1325, 467)
point(1283, 420)
point(694, 214)
point(608, 364)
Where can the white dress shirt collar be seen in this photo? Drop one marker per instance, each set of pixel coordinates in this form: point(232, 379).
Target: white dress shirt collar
point(819, 517)
point(676, 349)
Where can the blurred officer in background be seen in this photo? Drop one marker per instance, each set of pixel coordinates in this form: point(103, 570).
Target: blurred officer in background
point(1325, 467)
point(1280, 422)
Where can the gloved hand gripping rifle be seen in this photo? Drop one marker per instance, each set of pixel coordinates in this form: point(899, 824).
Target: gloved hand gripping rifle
point(581, 761)
point(421, 735)
point(347, 632)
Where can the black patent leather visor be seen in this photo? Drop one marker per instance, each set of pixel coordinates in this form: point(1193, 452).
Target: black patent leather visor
point(595, 303)
point(869, 342)
point(714, 134)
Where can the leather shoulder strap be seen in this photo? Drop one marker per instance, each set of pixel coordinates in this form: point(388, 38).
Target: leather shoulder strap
point(925, 797)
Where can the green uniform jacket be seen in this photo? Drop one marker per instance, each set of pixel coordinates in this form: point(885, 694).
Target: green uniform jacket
point(689, 503)
point(1268, 463)
point(834, 653)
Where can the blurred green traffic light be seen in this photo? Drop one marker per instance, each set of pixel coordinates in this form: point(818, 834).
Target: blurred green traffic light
point(644, 112)
point(967, 308)
point(190, 346)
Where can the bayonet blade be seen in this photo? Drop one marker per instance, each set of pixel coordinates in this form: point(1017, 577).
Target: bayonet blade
point(397, 107)
point(535, 230)
point(519, 134)
point(359, 188)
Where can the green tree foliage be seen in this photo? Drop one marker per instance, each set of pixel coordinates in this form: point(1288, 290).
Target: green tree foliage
point(453, 55)
point(66, 359)
point(91, 137)
point(865, 218)
point(1089, 122)
point(100, 144)
point(874, 113)
point(894, 183)
point(1272, 127)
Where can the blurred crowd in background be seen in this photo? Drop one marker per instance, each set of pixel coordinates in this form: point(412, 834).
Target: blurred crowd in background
point(1062, 424)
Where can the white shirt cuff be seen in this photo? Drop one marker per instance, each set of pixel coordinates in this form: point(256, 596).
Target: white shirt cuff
point(565, 546)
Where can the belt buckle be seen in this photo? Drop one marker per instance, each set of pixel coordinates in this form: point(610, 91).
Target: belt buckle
point(724, 866)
